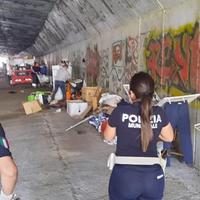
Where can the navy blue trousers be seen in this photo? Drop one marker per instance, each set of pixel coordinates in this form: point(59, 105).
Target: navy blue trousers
point(62, 86)
point(128, 182)
point(178, 115)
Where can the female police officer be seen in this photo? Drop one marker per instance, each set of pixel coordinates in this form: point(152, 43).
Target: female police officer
point(138, 127)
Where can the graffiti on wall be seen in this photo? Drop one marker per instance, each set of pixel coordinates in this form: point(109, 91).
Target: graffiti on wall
point(92, 61)
point(104, 69)
point(118, 64)
point(177, 64)
point(124, 62)
point(117, 54)
point(76, 63)
point(131, 58)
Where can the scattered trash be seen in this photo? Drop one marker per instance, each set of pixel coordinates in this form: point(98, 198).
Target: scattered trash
point(57, 104)
point(77, 124)
point(111, 142)
point(41, 96)
point(97, 120)
point(31, 107)
point(110, 99)
point(34, 85)
point(59, 95)
point(53, 102)
point(58, 110)
point(12, 92)
point(49, 98)
point(76, 107)
point(81, 132)
point(30, 97)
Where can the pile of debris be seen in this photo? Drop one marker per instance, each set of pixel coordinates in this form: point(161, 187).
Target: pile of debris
point(99, 117)
point(35, 101)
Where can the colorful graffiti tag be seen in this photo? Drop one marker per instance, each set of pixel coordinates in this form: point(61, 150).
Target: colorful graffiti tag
point(76, 63)
point(173, 60)
point(92, 59)
point(131, 58)
point(118, 63)
point(104, 69)
point(117, 54)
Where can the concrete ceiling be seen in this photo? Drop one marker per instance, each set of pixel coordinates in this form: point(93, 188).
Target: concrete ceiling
point(40, 25)
point(21, 22)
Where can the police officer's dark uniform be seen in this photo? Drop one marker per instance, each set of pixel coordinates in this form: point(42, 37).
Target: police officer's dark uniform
point(4, 146)
point(136, 182)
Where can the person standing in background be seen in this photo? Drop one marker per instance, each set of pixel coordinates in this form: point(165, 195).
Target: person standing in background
point(61, 77)
point(43, 69)
point(35, 71)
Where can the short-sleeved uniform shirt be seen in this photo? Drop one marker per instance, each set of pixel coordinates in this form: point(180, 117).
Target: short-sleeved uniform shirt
point(127, 121)
point(4, 146)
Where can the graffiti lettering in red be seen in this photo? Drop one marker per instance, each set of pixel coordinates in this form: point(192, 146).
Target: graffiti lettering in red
point(177, 63)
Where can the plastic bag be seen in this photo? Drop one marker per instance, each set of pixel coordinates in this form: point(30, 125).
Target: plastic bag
point(110, 99)
point(58, 95)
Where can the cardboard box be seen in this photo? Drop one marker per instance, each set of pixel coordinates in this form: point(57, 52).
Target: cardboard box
point(76, 107)
point(95, 102)
point(89, 92)
point(31, 107)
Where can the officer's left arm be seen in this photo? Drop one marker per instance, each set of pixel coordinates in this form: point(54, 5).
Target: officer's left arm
point(109, 133)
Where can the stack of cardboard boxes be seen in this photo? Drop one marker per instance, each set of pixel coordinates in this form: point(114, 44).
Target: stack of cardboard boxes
point(90, 99)
point(92, 95)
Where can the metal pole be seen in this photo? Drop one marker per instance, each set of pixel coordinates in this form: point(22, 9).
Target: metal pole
point(77, 124)
point(163, 36)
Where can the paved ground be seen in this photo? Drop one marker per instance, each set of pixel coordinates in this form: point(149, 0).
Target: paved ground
point(69, 166)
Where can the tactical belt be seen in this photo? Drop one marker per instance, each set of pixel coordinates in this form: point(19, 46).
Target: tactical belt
point(129, 160)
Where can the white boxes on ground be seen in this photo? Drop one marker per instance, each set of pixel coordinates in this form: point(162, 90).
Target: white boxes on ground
point(76, 107)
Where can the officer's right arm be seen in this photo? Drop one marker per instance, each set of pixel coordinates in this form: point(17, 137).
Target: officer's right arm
point(109, 133)
point(167, 133)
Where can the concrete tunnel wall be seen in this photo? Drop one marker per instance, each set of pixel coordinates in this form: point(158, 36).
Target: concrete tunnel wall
point(113, 57)
point(166, 43)
point(140, 43)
